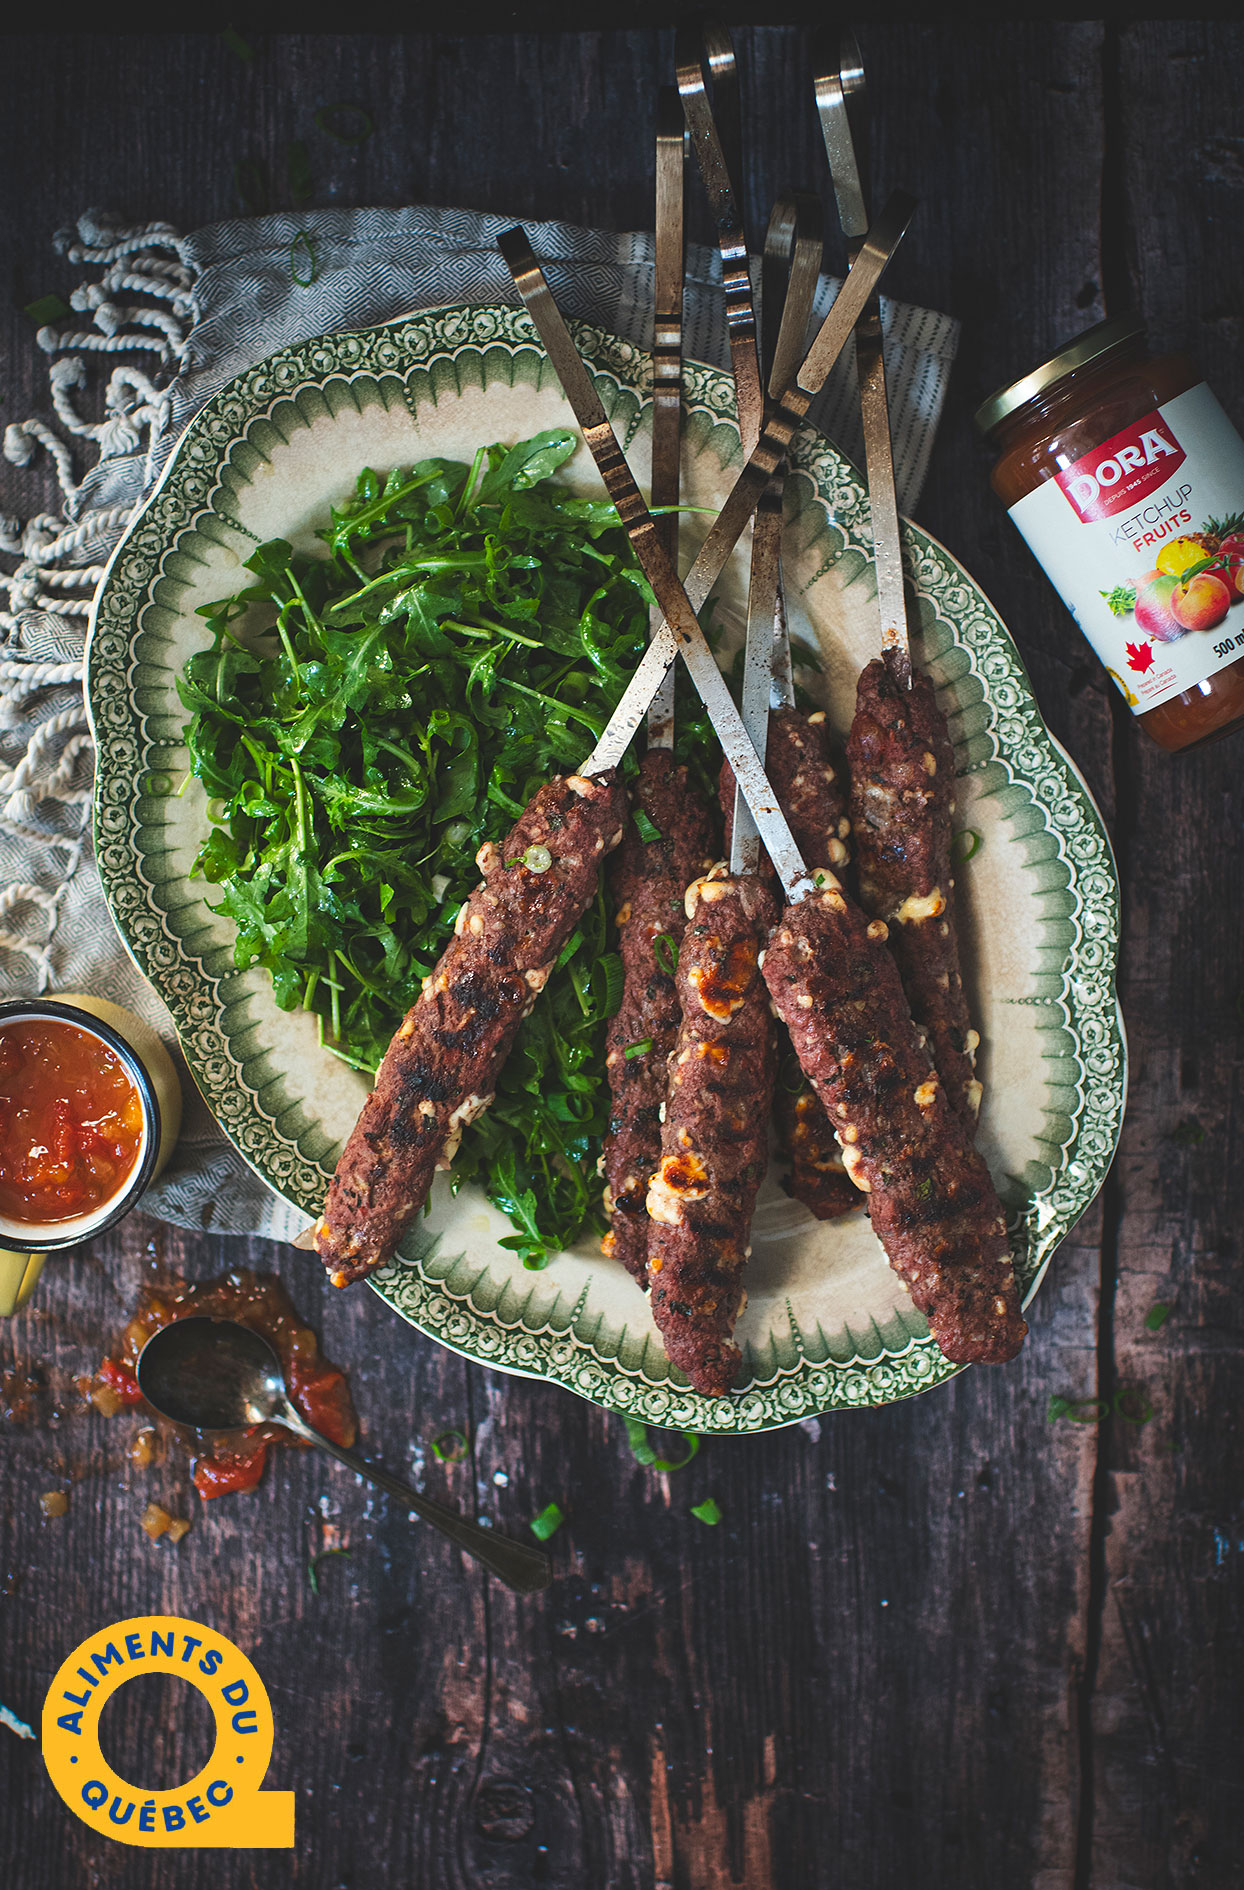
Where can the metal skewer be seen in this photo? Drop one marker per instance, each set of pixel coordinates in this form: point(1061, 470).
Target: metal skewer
point(790, 268)
point(681, 632)
point(714, 129)
point(780, 426)
point(667, 366)
point(838, 88)
point(717, 143)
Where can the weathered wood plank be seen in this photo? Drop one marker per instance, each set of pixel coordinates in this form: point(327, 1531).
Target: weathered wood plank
point(1167, 1710)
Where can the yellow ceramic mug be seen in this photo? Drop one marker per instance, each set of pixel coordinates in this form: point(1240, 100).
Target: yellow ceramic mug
point(150, 1068)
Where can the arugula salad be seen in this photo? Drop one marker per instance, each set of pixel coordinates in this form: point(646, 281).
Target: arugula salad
point(367, 716)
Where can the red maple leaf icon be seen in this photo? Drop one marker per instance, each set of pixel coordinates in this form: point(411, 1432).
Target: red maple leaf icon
point(1140, 657)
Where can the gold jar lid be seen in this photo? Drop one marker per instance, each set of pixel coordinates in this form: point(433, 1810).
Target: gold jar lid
point(1077, 354)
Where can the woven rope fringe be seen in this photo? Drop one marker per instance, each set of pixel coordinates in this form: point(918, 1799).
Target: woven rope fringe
point(140, 303)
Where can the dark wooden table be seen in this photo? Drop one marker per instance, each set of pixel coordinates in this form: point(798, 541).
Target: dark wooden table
point(948, 1643)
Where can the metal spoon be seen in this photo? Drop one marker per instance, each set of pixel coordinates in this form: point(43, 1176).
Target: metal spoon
point(217, 1375)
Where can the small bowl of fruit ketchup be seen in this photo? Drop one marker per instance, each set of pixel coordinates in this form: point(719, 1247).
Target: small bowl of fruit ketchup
point(90, 1106)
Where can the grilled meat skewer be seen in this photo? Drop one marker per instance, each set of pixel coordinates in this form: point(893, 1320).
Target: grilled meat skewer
point(840, 996)
point(931, 1201)
point(648, 880)
point(441, 1068)
point(902, 769)
point(714, 1139)
point(799, 765)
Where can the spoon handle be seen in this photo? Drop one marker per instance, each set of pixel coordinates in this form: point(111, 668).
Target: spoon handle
point(519, 1566)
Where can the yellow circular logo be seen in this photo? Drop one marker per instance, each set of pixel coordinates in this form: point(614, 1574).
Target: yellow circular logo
point(221, 1807)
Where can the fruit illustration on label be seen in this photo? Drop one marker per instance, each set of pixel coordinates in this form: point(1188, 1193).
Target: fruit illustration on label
point(1201, 603)
point(1180, 556)
point(1153, 610)
point(1194, 582)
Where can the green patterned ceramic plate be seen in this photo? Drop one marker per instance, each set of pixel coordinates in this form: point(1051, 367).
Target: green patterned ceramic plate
point(827, 1324)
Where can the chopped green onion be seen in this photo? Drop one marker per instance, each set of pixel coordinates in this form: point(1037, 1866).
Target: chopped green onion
point(313, 1566)
point(965, 846)
point(1078, 1410)
point(569, 949)
point(1131, 1395)
point(647, 829)
point(547, 1523)
point(665, 951)
point(1156, 1317)
point(1095, 1410)
point(450, 1446)
point(610, 971)
point(639, 1049)
point(48, 308)
point(643, 1451)
point(707, 1512)
point(1188, 1134)
point(537, 859)
point(236, 44)
point(302, 259)
point(345, 134)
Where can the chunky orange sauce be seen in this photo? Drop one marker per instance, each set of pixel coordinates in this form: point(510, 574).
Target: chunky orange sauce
point(71, 1122)
point(233, 1462)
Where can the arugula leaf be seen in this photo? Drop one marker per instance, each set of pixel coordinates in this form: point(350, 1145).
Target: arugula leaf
point(368, 715)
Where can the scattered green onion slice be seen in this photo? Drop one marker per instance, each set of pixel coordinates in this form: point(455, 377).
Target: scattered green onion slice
point(569, 949)
point(313, 1566)
point(236, 44)
point(643, 1451)
point(1131, 1404)
point(647, 829)
point(707, 1512)
point(48, 308)
point(966, 844)
point(537, 859)
point(547, 1523)
point(1078, 1410)
point(302, 259)
point(1156, 1317)
point(639, 1049)
point(665, 951)
point(450, 1446)
point(344, 134)
point(1188, 1134)
point(608, 978)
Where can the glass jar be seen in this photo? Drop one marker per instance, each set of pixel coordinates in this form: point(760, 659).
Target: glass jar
point(1127, 480)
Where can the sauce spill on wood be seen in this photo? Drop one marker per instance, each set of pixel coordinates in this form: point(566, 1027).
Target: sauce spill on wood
point(233, 1461)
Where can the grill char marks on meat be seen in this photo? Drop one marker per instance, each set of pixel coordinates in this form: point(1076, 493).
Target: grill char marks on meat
point(648, 881)
point(714, 1137)
point(902, 797)
point(440, 1070)
point(931, 1200)
point(800, 767)
point(817, 1176)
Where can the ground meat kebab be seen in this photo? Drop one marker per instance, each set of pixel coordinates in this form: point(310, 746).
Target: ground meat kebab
point(441, 1068)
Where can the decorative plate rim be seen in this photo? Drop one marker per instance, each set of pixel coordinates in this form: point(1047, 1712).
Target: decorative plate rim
point(1012, 741)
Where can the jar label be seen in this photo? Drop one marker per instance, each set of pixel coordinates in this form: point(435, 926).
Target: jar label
point(1144, 540)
